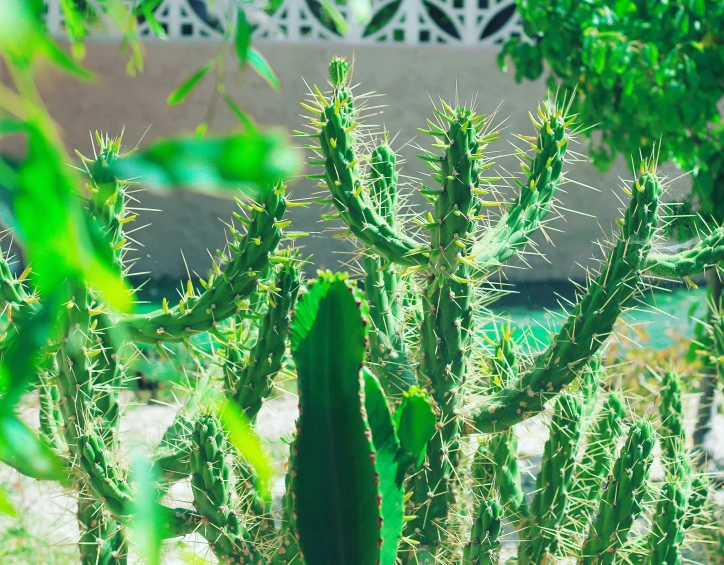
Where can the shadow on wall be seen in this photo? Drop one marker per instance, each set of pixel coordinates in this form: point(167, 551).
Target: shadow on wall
point(407, 76)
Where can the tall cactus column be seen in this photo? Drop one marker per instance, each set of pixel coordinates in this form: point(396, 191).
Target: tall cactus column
point(447, 307)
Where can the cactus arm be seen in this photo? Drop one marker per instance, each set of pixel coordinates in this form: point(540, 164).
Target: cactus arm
point(485, 536)
point(551, 501)
point(497, 458)
point(250, 384)
point(173, 456)
point(51, 417)
point(670, 520)
point(101, 542)
point(535, 200)
point(334, 126)
point(445, 335)
point(595, 464)
point(288, 550)
point(623, 498)
point(12, 288)
point(706, 253)
point(591, 321)
point(211, 487)
point(239, 279)
point(667, 531)
point(334, 476)
point(384, 286)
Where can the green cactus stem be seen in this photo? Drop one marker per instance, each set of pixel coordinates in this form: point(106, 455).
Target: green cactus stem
point(335, 481)
point(334, 125)
point(596, 462)
point(485, 536)
point(591, 320)
point(553, 484)
point(704, 254)
point(251, 257)
point(211, 486)
point(102, 540)
point(250, 381)
point(384, 286)
point(622, 500)
point(535, 200)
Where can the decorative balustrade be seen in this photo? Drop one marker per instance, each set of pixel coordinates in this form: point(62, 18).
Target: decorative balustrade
point(411, 22)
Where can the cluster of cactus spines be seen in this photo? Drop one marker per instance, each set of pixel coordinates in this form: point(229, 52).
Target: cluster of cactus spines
point(456, 257)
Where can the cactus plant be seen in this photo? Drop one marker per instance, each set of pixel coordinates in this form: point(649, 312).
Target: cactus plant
point(397, 390)
point(457, 259)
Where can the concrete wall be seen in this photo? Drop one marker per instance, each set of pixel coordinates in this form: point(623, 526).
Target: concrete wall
point(408, 76)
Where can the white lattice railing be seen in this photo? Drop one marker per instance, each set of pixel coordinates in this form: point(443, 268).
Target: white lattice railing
point(457, 22)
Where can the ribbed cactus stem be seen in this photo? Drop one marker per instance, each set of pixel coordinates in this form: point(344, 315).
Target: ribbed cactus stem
point(251, 255)
point(485, 536)
point(384, 287)
point(447, 313)
point(704, 254)
point(623, 498)
point(553, 485)
point(535, 200)
point(500, 452)
point(596, 462)
point(250, 381)
point(591, 321)
point(211, 486)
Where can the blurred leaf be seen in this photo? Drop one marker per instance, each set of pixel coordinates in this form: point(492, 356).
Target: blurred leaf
point(245, 120)
point(362, 10)
point(261, 66)
point(247, 443)
point(55, 230)
point(5, 506)
point(23, 450)
point(148, 515)
point(24, 351)
point(153, 23)
point(330, 10)
point(242, 39)
point(250, 159)
point(180, 94)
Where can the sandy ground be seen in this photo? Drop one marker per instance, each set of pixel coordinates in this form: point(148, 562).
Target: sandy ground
point(47, 521)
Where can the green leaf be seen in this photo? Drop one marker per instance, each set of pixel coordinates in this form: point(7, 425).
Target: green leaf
point(330, 10)
point(390, 468)
point(55, 229)
point(261, 66)
point(149, 516)
point(242, 116)
point(23, 450)
point(248, 444)
point(416, 423)
point(242, 38)
point(6, 506)
point(333, 480)
point(362, 10)
point(153, 23)
point(180, 94)
point(251, 159)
